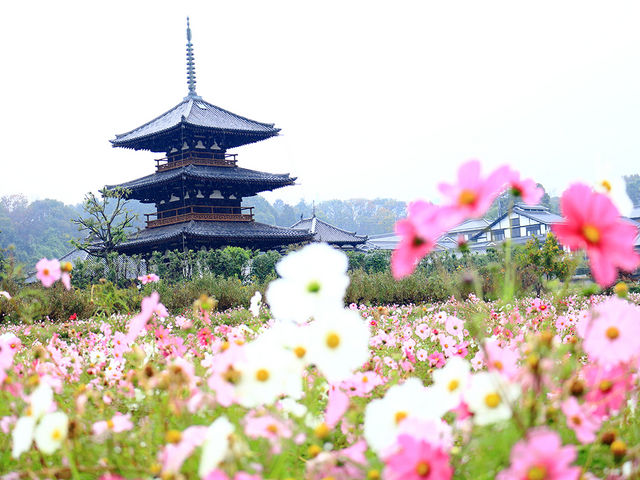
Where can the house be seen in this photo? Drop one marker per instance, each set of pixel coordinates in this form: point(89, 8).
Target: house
point(524, 222)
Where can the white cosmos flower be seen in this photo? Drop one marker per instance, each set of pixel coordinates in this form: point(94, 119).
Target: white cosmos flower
point(452, 380)
point(215, 446)
point(22, 435)
point(51, 432)
point(256, 301)
point(40, 401)
point(383, 417)
point(314, 279)
point(489, 396)
point(338, 343)
point(265, 373)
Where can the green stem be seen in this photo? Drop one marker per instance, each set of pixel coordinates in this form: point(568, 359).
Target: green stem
point(75, 474)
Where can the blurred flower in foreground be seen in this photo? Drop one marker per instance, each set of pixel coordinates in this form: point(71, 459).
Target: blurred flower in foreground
point(593, 223)
point(541, 456)
point(149, 278)
point(472, 196)
point(525, 189)
point(314, 279)
point(48, 271)
point(416, 460)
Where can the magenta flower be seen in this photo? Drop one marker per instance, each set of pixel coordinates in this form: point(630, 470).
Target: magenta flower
point(472, 196)
point(417, 460)
point(526, 189)
point(48, 271)
point(541, 456)
point(613, 334)
point(593, 223)
point(419, 231)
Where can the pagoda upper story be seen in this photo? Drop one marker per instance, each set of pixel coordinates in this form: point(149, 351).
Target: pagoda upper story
point(197, 188)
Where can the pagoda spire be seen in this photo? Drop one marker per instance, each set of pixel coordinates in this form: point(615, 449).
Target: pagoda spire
point(191, 67)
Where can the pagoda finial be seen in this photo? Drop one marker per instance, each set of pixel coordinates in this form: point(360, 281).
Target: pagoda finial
point(191, 67)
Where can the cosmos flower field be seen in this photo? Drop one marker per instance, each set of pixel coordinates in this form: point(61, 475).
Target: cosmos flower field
point(305, 387)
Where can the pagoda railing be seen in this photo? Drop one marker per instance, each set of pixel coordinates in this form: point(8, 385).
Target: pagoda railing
point(195, 158)
point(199, 213)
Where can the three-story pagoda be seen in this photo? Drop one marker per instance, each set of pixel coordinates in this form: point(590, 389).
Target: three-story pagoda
point(197, 188)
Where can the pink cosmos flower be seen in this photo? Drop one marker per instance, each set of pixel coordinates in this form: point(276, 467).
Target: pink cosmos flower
point(5, 295)
point(607, 387)
point(173, 455)
point(613, 334)
point(149, 278)
point(417, 460)
point(592, 222)
point(419, 231)
point(150, 305)
point(541, 455)
point(119, 423)
point(337, 405)
point(266, 426)
point(581, 420)
point(472, 196)
point(48, 271)
point(526, 189)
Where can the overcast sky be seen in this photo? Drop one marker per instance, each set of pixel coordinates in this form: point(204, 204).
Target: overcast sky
point(374, 99)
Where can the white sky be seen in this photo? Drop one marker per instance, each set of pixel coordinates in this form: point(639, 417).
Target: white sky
point(375, 99)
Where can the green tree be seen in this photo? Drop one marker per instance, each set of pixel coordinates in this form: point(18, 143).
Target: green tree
point(105, 224)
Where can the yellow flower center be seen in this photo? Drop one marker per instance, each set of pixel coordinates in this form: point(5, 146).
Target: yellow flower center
point(538, 472)
point(45, 271)
point(272, 428)
point(612, 333)
point(173, 436)
point(606, 185)
point(333, 340)
point(576, 420)
point(423, 468)
point(300, 351)
point(492, 400)
point(591, 233)
point(605, 386)
point(110, 424)
point(262, 375)
point(498, 365)
point(365, 379)
point(453, 385)
point(467, 197)
point(400, 416)
point(56, 434)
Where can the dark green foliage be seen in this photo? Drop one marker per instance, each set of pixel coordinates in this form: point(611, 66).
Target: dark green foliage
point(263, 266)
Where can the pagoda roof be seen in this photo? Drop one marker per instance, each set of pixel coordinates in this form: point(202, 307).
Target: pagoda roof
point(211, 234)
point(325, 232)
point(211, 174)
point(199, 115)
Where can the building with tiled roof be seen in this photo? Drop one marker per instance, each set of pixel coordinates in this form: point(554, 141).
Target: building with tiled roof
point(322, 231)
point(197, 188)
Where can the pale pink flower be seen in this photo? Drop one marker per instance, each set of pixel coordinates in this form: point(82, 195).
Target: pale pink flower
point(5, 295)
point(541, 455)
point(581, 419)
point(472, 196)
point(65, 278)
point(613, 335)
point(149, 278)
point(417, 460)
point(119, 423)
point(173, 455)
point(150, 305)
point(593, 223)
point(48, 271)
point(337, 405)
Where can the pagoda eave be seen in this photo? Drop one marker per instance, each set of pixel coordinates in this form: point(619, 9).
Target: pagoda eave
point(194, 235)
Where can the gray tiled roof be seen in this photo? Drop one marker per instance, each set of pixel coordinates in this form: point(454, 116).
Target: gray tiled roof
point(197, 113)
point(541, 215)
point(325, 232)
point(222, 233)
point(226, 175)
